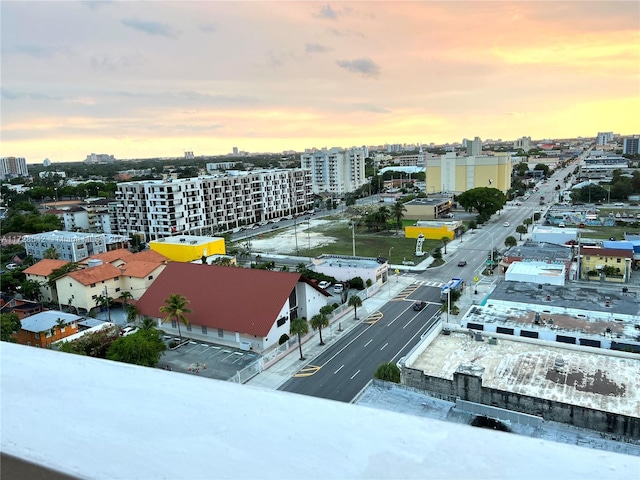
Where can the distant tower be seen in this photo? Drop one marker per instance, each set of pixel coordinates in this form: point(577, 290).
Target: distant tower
point(475, 147)
point(188, 154)
point(235, 150)
point(46, 162)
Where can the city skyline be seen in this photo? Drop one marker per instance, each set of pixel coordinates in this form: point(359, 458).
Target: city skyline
point(138, 82)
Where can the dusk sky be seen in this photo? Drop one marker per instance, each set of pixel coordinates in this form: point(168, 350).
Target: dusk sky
point(145, 79)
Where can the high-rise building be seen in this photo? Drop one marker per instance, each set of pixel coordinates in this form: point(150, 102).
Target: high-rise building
point(95, 158)
point(523, 143)
point(336, 171)
point(452, 174)
point(604, 137)
point(11, 167)
point(159, 208)
point(631, 146)
point(475, 147)
point(235, 150)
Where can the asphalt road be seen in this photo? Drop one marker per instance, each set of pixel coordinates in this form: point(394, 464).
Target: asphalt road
point(384, 336)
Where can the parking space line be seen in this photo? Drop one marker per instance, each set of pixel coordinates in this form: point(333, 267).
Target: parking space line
point(354, 375)
point(384, 346)
point(341, 367)
point(366, 344)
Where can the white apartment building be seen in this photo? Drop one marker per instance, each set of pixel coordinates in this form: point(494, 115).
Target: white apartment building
point(523, 143)
point(11, 167)
point(474, 147)
point(336, 171)
point(604, 137)
point(160, 208)
point(70, 246)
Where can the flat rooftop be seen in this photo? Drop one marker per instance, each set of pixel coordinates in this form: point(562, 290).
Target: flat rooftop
point(590, 380)
point(541, 251)
point(340, 261)
point(428, 201)
point(571, 297)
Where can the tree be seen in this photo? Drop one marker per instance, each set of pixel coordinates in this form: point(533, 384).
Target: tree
point(485, 200)
point(543, 167)
point(521, 229)
point(176, 309)
point(510, 241)
point(148, 324)
point(299, 327)
point(388, 372)
point(437, 254)
point(93, 344)
point(51, 253)
point(527, 221)
point(10, 324)
point(397, 212)
point(355, 301)
point(125, 297)
point(132, 313)
point(318, 322)
point(30, 289)
point(144, 348)
point(445, 240)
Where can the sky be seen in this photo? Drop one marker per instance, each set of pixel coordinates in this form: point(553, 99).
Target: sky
point(155, 79)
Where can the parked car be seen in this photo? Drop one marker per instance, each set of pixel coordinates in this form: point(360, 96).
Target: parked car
point(126, 331)
point(324, 284)
point(338, 288)
point(505, 224)
point(462, 263)
point(419, 305)
point(12, 266)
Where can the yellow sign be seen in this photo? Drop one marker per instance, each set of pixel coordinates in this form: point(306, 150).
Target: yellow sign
point(476, 279)
point(397, 271)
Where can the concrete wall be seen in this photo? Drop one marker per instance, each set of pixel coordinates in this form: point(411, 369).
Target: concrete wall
point(469, 387)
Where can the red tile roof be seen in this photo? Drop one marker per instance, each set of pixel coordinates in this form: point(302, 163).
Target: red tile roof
point(139, 269)
point(149, 256)
point(237, 299)
point(111, 256)
point(45, 267)
point(97, 274)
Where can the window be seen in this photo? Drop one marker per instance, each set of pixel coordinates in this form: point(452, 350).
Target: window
point(174, 324)
point(92, 285)
point(188, 327)
point(618, 260)
point(117, 289)
point(93, 297)
point(204, 330)
point(37, 334)
point(221, 333)
point(150, 277)
point(282, 321)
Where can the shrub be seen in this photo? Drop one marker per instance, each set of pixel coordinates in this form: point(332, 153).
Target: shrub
point(284, 338)
point(357, 283)
point(369, 282)
point(388, 372)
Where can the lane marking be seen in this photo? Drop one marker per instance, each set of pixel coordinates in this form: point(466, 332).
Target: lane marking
point(354, 375)
point(366, 344)
point(384, 346)
point(338, 369)
point(307, 371)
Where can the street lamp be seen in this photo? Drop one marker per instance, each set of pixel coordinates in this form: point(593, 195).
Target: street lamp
point(353, 237)
point(390, 254)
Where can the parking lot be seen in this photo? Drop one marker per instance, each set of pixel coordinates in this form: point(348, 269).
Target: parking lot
point(206, 360)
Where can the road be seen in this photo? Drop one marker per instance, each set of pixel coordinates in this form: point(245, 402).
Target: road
point(384, 336)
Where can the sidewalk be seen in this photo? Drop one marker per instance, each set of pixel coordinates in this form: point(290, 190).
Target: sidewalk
point(286, 367)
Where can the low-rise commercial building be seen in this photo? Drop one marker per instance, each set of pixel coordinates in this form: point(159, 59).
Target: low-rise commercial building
point(187, 248)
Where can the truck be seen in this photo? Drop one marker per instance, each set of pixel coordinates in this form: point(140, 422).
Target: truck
point(455, 283)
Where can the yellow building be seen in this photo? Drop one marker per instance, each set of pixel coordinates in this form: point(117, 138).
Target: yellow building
point(433, 230)
point(606, 264)
point(187, 248)
point(453, 174)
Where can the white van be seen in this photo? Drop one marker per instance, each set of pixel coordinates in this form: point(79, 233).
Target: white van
point(338, 288)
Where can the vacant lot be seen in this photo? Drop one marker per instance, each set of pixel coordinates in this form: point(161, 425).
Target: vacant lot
point(334, 235)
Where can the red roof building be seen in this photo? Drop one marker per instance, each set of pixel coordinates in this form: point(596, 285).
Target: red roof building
point(234, 306)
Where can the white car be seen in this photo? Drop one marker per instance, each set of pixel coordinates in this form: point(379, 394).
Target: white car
point(505, 224)
point(12, 266)
point(338, 288)
point(126, 331)
point(324, 284)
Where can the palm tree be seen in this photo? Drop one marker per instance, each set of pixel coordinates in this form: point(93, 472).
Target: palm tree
point(148, 324)
point(355, 301)
point(383, 214)
point(445, 240)
point(125, 297)
point(176, 309)
point(397, 212)
point(299, 326)
point(318, 322)
point(132, 313)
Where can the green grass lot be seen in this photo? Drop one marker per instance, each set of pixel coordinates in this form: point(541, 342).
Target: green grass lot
point(368, 243)
point(605, 233)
